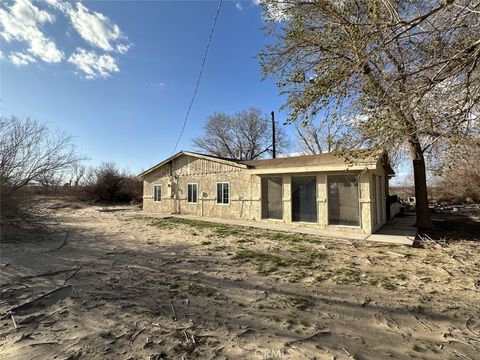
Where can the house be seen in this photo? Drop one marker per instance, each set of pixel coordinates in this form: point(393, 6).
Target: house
point(345, 191)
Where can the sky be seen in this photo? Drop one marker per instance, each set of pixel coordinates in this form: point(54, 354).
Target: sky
point(119, 75)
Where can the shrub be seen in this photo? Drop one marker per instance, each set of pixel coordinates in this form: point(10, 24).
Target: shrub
point(108, 184)
point(460, 178)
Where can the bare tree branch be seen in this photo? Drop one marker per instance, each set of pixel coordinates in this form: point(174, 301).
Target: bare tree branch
point(246, 135)
point(31, 154)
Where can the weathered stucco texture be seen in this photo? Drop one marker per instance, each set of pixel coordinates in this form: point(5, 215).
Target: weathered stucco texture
point(244, 189)
point(245, 193)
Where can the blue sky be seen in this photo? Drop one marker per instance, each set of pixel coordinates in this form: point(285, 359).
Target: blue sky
point(133, 116)
point(119, 75)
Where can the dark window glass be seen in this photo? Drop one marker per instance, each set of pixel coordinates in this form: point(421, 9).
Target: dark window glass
point(304, 198)
point(272, 204)
point(343, 200)
point(157, 193)
point(223, 193)
point(219, 193)
point(192, 193)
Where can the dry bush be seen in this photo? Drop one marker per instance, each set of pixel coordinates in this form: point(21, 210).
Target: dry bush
point(460, 179)
point(133, 187)
point(106, 183)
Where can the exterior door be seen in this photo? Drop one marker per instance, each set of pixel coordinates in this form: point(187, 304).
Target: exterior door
point(272, 204)
point(343, 200)
point(304, 198)
point(380, 201)
point(382, 198)
point(374, 202)
point(174, 196)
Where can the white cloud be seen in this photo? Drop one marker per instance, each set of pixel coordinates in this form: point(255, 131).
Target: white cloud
point(123, 48)
point(93, 65)
point(96, 28)
point(1, 55)
point(21, 59)
point(158, 85)
point(22, 22)
point(238, 5)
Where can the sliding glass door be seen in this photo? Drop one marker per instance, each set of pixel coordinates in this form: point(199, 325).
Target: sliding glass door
point(272, 204)
point(304, 198)
point(343, 200)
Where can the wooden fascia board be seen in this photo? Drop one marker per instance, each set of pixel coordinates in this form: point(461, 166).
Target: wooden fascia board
point(311, 169)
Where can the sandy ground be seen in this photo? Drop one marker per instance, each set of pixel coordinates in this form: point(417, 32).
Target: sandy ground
point(173, 289)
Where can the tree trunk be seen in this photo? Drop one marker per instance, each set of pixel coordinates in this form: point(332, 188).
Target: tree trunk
point(421, 196)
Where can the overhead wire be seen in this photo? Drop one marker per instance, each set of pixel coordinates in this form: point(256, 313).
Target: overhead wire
point(199, 75)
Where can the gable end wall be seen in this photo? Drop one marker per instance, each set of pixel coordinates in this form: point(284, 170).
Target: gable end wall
point(174, 177)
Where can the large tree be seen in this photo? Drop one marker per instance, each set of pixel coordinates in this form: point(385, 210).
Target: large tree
point(405, 71)
point(246, 135)
point(322, 135)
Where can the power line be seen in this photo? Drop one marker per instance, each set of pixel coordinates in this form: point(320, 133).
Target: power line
point(200, 74)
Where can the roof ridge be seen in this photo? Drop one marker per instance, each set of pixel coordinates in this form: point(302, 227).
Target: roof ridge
point(334, 153)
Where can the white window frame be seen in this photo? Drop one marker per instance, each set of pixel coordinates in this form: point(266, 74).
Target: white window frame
point(216, 193)
point(192, 202)
point(154, 186)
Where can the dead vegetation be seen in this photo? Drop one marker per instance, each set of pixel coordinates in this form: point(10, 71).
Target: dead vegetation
point(170, 288)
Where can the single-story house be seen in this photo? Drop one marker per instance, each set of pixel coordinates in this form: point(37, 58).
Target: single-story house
point(345, 191)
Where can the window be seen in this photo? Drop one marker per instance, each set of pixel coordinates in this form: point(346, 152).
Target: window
point(223, 193)
point(192, 193)
point(343, 200)
point(157, 192)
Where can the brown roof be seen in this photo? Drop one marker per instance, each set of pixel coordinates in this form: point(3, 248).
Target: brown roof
point(346, 158)
point(352, 157)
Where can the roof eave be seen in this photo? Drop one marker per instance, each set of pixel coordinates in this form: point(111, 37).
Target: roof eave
point(188, 153)
point(315, 168)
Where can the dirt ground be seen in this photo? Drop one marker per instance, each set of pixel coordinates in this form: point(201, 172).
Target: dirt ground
point(147, 288)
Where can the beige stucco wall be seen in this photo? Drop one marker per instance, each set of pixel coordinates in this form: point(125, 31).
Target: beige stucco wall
point(383, 178)
point(322, 202)
point(244, 189)
point(245, 193)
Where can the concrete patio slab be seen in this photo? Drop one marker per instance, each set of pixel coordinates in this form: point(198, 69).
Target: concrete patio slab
point(399, 230)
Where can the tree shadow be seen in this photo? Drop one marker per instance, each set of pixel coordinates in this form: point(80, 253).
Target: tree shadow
point(167, 291)
point(453, 227)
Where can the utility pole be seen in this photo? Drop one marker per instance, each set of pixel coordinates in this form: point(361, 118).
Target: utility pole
point(274, 151)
